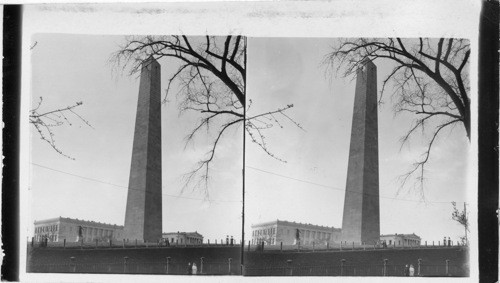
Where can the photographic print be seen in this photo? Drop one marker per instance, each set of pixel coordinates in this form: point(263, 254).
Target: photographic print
point(247, 141)
point(136, 154)
point(361, 166)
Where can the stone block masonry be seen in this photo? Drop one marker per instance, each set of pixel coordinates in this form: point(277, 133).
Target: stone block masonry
point(143, 216)
point(361, 219)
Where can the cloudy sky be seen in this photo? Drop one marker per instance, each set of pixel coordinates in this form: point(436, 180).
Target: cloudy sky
point(310, 186)
point(71, 68)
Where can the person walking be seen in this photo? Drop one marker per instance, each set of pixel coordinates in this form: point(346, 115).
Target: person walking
point(194, 269)
point(449, 242)
point(189, 269)
point(411, 270)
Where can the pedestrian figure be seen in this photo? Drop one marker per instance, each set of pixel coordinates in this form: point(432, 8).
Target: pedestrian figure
point(189, 269)
point(444, 241)
point(449, 242)
point(412, 270)
point(232, 241)
point(227, 240)
point(407, 270)
point(167, 243)
point(194, 269)
point(297, 237)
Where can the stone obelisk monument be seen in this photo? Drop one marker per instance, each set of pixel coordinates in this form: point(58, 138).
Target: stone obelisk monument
point(361, 220)
point(143, 216)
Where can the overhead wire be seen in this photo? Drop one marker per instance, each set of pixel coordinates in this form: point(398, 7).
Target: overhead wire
point(340, 189)
point(126, 187)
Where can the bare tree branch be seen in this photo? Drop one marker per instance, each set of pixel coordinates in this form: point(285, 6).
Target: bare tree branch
point(427, 78)
point(44, 122)
point(211, 82)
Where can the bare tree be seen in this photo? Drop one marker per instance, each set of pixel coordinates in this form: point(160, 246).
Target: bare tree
point(461, 218)
point(211, 81)
point(45, 121)
point(429, 78)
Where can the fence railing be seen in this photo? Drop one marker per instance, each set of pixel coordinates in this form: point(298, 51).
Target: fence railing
point(129, 266)
point(123, 244)
point(339, 246)
point(344, 269)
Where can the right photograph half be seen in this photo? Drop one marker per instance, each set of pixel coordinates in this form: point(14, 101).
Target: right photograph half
point(357, 157)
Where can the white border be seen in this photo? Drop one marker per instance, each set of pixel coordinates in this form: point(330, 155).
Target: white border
point(340, 18)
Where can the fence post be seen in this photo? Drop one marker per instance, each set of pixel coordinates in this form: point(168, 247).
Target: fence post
point(289, 264)
point(385, 267)
point(342, 262)
point(64, 243)
point(201, 265)
point(447, 267)
point(125, 264)
point(168, 262)
point(229, 261)
point(419, 263)
point(281, 246)
point(72, 264)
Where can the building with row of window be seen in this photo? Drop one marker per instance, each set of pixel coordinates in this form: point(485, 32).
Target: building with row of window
point(183, 238)
point(275, 232)
point(73, 230)
point(286, 232)
point(401, 239)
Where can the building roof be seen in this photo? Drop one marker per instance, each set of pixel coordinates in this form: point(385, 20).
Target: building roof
point(295, 224)
point(78, 222)
point(195, 233)
point(413, 235)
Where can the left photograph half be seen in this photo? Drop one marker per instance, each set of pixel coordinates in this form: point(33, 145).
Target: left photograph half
point(136, 154)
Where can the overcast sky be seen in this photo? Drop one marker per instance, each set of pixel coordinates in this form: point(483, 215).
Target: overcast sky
point(280, 72)
point(71, 68)
point(285, 71)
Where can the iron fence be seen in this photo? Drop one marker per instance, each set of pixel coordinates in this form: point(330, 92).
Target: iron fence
point(132, 267)
point(356, 270)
